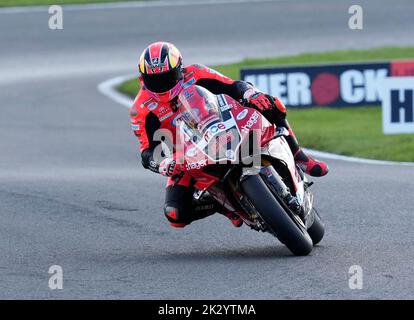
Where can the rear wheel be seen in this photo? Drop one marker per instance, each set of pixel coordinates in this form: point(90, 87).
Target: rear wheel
point(317, 229)
point(290, 232)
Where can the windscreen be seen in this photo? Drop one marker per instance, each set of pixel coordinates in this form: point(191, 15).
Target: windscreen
point(213, 131)
point(199, 108)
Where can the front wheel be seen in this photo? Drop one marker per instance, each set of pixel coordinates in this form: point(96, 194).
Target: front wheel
point(281, 224)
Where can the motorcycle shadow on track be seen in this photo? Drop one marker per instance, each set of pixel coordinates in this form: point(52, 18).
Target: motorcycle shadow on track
point(242, 254)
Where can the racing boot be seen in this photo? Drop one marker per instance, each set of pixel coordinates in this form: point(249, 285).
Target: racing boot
point(234, 219)
point(311, 166)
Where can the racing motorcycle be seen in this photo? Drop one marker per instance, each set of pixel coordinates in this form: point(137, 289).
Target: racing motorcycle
point(243, 161)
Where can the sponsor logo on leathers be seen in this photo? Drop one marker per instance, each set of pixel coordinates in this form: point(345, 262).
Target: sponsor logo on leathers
point(152, 106)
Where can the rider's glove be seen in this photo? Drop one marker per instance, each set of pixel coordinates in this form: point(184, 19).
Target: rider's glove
point(169, 168)
point(259, 100)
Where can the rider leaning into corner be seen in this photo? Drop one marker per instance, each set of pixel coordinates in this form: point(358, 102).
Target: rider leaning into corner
point(162, 76)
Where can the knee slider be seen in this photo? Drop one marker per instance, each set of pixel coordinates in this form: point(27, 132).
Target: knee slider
point(173, 216)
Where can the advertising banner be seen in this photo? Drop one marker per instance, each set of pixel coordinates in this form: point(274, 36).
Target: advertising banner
point(398, 105)
point(331, 85)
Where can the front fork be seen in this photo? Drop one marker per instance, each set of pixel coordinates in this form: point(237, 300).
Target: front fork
point(275, 182)
point(303, 211)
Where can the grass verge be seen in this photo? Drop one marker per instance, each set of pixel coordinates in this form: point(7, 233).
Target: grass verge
point(347, 131)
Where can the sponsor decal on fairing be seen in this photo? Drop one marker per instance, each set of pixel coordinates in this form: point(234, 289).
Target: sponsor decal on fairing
point(196, 165)
point(251, 122)
point(242, 114)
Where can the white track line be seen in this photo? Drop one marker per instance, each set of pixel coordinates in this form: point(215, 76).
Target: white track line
point(128, 5)
point(109, 89)
point(334, 156)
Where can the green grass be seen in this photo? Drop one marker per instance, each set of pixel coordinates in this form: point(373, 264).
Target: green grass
point(350, 131)
point(347, 131)
point(130, 87)
point(15, 3)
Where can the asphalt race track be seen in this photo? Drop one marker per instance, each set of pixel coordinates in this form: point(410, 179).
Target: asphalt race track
point(72, 192)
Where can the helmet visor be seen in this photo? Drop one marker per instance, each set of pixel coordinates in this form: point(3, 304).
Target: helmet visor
point(162, 82)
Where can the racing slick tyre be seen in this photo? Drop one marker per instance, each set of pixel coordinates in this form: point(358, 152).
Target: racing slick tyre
point(274, 215)
point(317, 229)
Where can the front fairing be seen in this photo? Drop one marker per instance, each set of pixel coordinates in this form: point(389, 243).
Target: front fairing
point(214, 127)
point(279, 149)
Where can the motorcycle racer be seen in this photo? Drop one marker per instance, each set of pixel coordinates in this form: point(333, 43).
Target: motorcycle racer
point(162, 77)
